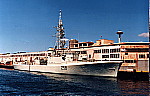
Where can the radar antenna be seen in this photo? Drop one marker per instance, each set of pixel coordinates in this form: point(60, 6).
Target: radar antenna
point(60, 42)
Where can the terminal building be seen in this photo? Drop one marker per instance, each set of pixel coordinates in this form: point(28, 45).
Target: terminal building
point(135, 55)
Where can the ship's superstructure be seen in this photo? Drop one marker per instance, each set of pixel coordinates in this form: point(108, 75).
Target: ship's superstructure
point(102, 58)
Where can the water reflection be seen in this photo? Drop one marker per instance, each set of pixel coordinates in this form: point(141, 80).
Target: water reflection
point(14, 82)
point(93, 85)
point(134, 87)
point(109, 86)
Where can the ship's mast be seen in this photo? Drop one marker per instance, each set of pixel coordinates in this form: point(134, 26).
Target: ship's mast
point(60, 42)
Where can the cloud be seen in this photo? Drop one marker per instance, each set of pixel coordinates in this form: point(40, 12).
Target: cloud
point(144, 34)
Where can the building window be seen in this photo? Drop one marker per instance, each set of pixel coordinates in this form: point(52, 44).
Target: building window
point(118, 50)
point(84, 44)
point(126, 53)
point(137, 49)
point(105, 50)
point(114, 50)
point(97, 51)
point(89, 56)
point(105, 56)
point(129, 61)
point(147, 55)
point(114, 55)
point(76, 45)
point(141, 56)
point(49, 54)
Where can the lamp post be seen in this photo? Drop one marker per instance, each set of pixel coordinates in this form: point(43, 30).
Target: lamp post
point(119, 32)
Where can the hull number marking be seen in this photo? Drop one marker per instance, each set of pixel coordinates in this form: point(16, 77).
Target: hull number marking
point(63, 67)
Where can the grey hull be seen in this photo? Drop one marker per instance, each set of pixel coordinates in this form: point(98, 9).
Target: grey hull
point(96, 69)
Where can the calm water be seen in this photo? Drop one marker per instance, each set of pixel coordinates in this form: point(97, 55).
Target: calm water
point(13, 82)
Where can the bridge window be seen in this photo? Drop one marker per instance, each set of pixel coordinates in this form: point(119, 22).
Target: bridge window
point(141, 56)
point(114, 55)
point(105, 56)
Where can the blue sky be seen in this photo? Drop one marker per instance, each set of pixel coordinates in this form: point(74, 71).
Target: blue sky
point(27, 25)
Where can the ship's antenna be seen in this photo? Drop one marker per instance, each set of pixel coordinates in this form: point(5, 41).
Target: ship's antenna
point(78, 37)
point(60, 43)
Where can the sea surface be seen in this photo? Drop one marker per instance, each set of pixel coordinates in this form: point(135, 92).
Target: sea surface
point(14, 82)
